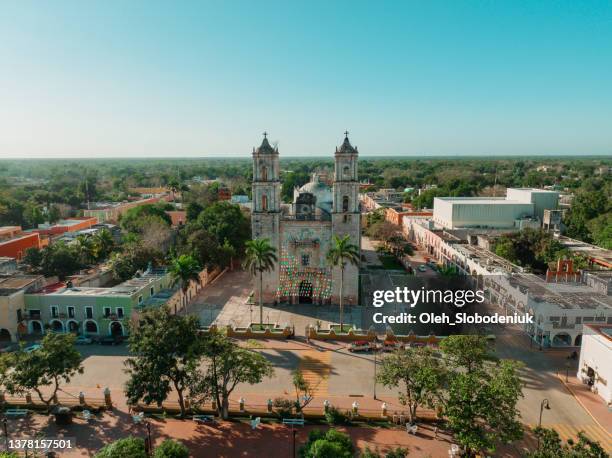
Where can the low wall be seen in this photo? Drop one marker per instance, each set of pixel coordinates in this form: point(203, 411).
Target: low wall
point(370, 336)
point(276, 332)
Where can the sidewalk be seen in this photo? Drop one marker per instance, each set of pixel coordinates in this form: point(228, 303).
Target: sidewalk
point(591, 402)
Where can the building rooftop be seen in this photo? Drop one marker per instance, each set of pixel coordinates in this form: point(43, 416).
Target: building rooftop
point(12, 283)
point(482, 200)
point(127, 288)
point(564, 294)
point(604, 330)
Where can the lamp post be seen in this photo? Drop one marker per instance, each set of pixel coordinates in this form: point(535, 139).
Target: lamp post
point(567, 368)
point(5, 433)
point(375, 351)
point(149, 447)
point(543, 405)
point(293, 433)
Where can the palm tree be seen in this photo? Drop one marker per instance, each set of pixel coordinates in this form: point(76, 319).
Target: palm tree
point(341, 253)
point(104, 243)
point(260, 258)
point(85, 249)
point(184, 269)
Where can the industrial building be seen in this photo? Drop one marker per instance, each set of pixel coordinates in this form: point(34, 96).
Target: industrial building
point(521, 208)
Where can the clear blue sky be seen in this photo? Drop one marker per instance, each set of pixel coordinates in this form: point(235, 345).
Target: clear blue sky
point(136, 78)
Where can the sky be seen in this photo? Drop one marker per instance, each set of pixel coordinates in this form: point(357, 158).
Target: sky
point(206, 78)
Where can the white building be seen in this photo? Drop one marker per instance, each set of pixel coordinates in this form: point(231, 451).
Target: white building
point(560, 308)
point(522, 207)
point(595, 365)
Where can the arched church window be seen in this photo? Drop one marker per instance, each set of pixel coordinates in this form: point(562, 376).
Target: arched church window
point(264, 202)
point(345, 204)
point(264, 173)
point(346, 171)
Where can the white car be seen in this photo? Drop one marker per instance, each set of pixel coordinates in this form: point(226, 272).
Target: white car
point(422, 268)
point(83, 340)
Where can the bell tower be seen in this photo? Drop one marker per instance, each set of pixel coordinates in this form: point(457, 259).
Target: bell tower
point(346, 218)
point(266, 211)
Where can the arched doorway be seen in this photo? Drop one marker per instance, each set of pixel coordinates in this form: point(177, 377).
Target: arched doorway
point(36, 327)
point(5, 335)
point(578, 340)
point(73, 326)
point(562, 340)
point(305, 292)
point(116, 328)
point(91, 327)
point(57, 326)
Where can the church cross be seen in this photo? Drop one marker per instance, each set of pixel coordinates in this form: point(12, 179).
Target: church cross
point(265, 134)
point(346, 133)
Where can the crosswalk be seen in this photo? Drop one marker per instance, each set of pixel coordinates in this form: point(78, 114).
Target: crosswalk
point(593, 432)
point(315, 368)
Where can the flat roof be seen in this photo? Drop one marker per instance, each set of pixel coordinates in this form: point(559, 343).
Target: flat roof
point(14, 283)
point(483, 200)
point(604, 330)
point(566, 295)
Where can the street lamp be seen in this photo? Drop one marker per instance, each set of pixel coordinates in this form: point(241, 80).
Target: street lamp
point(543, 405)
point(375, 352)
point(149, 444)
point(567, 368)
point(5, 433)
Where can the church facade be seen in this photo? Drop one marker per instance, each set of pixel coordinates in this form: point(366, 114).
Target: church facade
point(302, 232)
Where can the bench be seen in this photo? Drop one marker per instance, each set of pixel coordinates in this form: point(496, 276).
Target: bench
point(138, 418)
point(203, 418)
point(412, 429)
point(293, 421)
point(16, 413)
point(255, 422)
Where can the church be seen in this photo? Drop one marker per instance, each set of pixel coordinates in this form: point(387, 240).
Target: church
point(302, 232)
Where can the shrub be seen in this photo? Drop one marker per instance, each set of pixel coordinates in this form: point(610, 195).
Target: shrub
point(130, 447)
point(398, 452)
point(334, 416)
point(330, 444)
point(283, 407)
point(171, 449)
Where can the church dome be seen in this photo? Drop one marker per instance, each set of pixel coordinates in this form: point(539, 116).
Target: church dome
point(265, 147)
point(321, 191)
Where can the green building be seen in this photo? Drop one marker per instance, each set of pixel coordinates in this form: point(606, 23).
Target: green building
point(95, 311)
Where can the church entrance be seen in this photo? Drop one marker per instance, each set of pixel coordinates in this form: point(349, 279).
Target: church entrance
point(305, 292)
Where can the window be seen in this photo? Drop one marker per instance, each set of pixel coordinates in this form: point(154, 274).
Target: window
point(152, 291)
point(264, 173)
point(140, 299)
point(107, 312)
point(305, 260)
point(345, 204)
point(54, 311)
point(119, 312)
point(264, 202)
point(89, 312)
point(34, 314)
point(19, 315)
point(346, 171)
point(70, 312)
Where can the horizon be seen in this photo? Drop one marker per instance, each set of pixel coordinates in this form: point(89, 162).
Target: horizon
point(419, 79)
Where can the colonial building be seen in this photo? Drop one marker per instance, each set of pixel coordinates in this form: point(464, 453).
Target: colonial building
point(302, 232)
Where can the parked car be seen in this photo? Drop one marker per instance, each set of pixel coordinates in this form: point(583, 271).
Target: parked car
point(10, 348)
point(31, 348)
point(360, 345)
point(110, 340)
point(83, 340)
point(422, 268)
point(392, 345)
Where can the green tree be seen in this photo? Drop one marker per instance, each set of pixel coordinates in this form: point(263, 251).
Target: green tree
point(54, 363)
point(53, 214)
point(226, 221)
point(600, 229)
point(32, 214)
point(171, 449)
point(103, 243)
point(304, 391)
point(480, 406)
point(129, 447)
point(551, 446)
point(33, 258)
point(227, 366)
point(85, 249)
point(132, 220)
point(193, 211)
point(341, 253)
point(260, 258)
point(59, 259)
point(468, 352)
point(418, 373)
point(184, 270)
point(327, 444)
point(167, 350)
